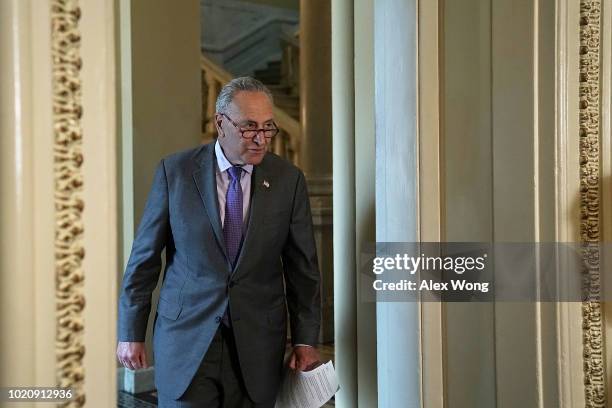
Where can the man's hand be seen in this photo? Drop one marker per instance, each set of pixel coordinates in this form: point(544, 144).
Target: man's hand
point(304, 358)
point(132, 355)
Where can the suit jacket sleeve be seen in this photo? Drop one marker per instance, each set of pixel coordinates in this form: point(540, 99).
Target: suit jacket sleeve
point(144, 266)
point(301, 270)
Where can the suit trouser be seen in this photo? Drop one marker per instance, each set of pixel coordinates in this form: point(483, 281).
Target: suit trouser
point(218, 382)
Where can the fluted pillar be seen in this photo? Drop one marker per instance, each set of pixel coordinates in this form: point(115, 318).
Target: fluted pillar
point(26, 208)
point(345, 278)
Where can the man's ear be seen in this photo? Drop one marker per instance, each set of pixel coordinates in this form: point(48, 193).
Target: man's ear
point(218, 121)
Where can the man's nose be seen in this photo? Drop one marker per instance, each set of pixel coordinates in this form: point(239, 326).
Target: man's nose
point(260, 138)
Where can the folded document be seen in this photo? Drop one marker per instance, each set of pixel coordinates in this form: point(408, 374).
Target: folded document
point(308, 389)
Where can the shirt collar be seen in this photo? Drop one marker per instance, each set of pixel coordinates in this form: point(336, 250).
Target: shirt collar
point(225, 164)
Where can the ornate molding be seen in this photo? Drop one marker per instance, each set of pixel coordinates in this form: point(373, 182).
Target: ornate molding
point(590, 191)
point(68, 158)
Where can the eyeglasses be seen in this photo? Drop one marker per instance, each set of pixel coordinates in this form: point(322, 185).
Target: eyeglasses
point(268, 133)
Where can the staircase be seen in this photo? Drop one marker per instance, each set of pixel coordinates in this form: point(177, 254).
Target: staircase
point(242, 36)
point(271, 74)
point(284, 96)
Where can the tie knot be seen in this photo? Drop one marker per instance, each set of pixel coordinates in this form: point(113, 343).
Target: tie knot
point(235, 172)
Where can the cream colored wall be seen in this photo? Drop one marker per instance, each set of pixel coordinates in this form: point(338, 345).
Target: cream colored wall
point(467, 175)
point(499, 151)
point(166, 93)
point(101, 198)
point(315, 89)
point(498, 160)
point(429, 196)
point(161, 99)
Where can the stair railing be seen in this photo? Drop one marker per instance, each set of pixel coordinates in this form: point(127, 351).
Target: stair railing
point(286, 144)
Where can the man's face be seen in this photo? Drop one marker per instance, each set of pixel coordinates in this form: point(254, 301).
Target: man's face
point(250, 110)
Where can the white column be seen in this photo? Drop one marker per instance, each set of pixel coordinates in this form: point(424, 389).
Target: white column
point(398, 323)
point(27, 284)
point(377, 359)
point(28, 224)
point(344, 203)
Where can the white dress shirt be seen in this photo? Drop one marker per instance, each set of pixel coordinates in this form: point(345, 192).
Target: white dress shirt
point(223, 180)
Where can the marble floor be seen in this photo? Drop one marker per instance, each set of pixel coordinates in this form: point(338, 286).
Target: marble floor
point(144, 400)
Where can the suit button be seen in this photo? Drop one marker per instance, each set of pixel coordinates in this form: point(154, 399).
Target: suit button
point(232, 284)
point(218, 319)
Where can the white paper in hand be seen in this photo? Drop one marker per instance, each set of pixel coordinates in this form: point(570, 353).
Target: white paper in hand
point(308, 389)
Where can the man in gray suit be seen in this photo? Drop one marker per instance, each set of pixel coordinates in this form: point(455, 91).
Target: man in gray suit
point(236, 225)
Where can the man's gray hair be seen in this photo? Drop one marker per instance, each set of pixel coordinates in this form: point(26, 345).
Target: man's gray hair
point(236, 85)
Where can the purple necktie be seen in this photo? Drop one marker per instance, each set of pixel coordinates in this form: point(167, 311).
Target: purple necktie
point(232, 226)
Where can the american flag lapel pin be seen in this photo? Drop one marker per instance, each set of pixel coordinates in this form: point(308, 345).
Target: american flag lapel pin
point(266, 184)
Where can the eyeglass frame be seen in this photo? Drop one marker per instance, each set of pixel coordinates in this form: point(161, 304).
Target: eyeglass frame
point(241, 130)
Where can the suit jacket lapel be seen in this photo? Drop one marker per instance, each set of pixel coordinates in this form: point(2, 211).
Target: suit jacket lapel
point(206, 182)
point(255, 212)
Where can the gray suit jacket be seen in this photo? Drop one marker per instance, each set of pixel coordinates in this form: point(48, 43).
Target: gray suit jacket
point(277, 266)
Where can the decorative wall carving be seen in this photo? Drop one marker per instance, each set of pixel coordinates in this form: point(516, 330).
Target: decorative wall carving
point(589, 121)
point(68, 158)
